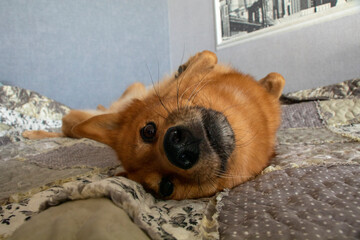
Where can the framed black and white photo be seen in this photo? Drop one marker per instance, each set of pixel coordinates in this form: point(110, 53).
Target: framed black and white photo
point(237, 20)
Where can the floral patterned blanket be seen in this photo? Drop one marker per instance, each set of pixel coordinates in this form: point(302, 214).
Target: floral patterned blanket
point(310, 190)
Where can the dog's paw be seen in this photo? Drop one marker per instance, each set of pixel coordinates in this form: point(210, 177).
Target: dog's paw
point(28, 134)
point(40, 134)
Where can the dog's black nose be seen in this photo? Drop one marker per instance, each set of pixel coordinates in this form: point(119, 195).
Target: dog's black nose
point(181, 147)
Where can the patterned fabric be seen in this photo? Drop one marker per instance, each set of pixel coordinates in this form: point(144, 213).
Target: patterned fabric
point(346, 89)
point(298, 203)
point(43, 173)
point(31, 104)
point(160, 219)
point(310, 189)
point(24, 109)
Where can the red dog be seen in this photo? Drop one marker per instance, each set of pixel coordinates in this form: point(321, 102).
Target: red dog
point(206, 128)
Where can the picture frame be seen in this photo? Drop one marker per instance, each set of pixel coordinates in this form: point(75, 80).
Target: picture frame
point(242, 20)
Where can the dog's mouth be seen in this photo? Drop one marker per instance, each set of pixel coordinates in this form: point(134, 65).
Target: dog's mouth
point(219, 134)
point(202, 133)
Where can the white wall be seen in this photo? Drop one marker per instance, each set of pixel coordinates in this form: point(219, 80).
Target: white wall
point(309, 56)
point(84, 52)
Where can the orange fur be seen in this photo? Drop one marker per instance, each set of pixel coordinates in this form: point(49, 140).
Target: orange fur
point(251, 108)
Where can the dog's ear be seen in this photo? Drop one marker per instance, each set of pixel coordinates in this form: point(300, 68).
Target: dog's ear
point(101, 128)
point(201, 61)
point(273, 83)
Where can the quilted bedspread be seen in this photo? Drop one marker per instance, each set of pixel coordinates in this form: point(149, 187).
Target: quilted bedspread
point(311, 189)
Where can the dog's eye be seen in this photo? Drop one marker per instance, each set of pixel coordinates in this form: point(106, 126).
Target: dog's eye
point(166, 187)
point(148, 133)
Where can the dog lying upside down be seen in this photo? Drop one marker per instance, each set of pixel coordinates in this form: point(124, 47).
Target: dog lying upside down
point(206, 128)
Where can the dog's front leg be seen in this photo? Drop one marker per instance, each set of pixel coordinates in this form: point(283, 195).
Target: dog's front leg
point(71, 119)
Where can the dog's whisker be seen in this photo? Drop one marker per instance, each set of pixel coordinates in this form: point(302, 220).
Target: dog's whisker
point(186, 90)
point(245, 143)
point(186, 189)
point(158, 68)
point(230, 176)
point(156, 112)
point(230, 107)
point(212, 182)
point(183, 54)
point(177, 95)
point(220, 175)
point(160, 115)
point(192, 98)
point(192, 142)
point(209, 102)
point(162, 103)
point(196, 86)
point(177, 82)
point(199, 185)
point(156, 91)
point(195, 91)
point(182, 77)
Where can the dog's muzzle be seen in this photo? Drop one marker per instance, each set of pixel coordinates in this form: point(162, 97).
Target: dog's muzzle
point(210, 132)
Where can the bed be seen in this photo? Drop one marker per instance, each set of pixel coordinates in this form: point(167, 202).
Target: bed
point(65, 188)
